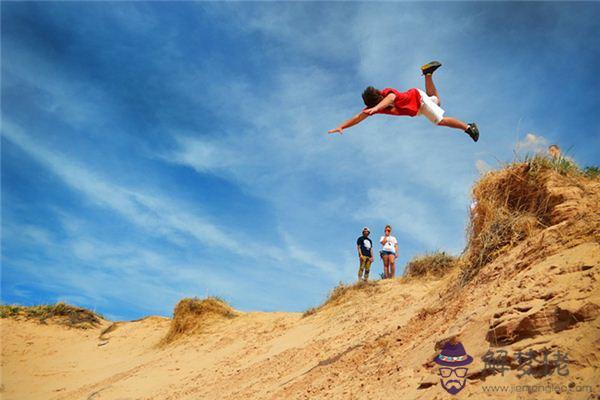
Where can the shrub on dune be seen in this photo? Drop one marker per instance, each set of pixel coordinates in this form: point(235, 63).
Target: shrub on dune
point(61, 313)
point(512, 204)
point(435, 264)
point(192, 315)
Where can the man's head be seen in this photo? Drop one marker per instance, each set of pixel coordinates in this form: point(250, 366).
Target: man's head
point(371, 97)
point(554, 150)
point(365, 231)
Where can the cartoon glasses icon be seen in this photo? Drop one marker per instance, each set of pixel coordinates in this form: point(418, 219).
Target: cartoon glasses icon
point(459, 372)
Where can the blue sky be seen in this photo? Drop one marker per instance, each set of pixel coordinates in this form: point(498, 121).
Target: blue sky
point(153, 151)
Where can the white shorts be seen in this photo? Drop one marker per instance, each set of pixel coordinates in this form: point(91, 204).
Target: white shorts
point(430, 108)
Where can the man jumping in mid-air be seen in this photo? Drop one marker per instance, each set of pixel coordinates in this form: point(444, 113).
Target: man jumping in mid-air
point(412, 102)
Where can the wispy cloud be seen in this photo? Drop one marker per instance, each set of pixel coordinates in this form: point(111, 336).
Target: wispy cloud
point(532, 143)
point(204, 155)
point(148, 211)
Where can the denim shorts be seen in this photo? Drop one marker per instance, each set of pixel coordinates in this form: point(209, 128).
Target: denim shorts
point(386, 252)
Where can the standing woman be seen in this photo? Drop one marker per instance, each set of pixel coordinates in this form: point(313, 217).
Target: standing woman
point(389, 252)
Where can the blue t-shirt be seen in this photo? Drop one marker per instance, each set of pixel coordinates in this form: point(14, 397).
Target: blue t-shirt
point(365, 245)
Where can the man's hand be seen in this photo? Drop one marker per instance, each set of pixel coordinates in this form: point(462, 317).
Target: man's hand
point(370, 111)
point(372, 258)
point(338, 129)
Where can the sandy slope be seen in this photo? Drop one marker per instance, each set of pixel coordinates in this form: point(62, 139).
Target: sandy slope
point(374, 343)
point(251, 355)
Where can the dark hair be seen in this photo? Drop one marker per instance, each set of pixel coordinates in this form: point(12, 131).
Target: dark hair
point(555, 146)
point(371, 96)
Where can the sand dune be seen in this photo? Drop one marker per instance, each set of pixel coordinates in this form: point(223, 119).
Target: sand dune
point(376, 341)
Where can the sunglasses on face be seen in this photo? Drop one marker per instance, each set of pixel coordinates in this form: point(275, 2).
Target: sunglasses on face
point(459, 372)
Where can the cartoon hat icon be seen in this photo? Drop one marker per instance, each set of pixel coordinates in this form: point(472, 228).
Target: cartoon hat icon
point(453, 355)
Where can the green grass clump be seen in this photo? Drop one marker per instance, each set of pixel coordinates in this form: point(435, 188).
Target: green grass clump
point(539, 163)
point(64, 314)
point(592, 172)
point(565, 166)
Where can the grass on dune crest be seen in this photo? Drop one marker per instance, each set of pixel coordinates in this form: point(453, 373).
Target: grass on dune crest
point(62, 313)
point(436, 264)
point(192, 315)
point(339, 292)
point(514, 202)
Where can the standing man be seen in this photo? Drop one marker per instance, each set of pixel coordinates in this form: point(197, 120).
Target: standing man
point(365, 254)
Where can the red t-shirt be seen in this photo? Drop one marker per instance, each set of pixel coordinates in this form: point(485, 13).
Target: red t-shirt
point(406, 103)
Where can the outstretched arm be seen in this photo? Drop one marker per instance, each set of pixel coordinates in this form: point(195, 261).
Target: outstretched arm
point(386, 102)
point(351, 122)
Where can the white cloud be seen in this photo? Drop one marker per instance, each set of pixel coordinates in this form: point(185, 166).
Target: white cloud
point(532, 143)
point(148, 211)
point(309, 257)
point(203, 154)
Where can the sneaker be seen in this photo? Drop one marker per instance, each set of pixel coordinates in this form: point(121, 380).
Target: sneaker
point(472, 131)
point(428, 68)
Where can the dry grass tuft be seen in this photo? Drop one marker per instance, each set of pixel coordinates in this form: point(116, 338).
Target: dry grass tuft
point(309, 312)
point(436, 264)
point(192, 315)
point(340, 292)
point(510, 205)
point(60, 313)
point(111, 328)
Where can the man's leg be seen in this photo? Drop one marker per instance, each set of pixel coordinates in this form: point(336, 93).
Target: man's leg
point(392, 266)
point(361, 267)
point(367, 268)
point(470, 129)
point(453, 123)
point(430, 88)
